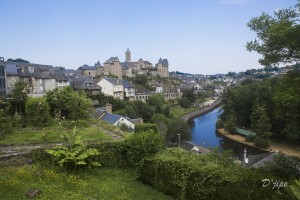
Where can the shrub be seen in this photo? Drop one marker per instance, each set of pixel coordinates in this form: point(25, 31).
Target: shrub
point(230, 126)
point(37, 111)
point(76, 154)
point(184, 102)
point(145, 127)
point(142, 144)
point(184, 175)
point(261, 142)
point(219, 124)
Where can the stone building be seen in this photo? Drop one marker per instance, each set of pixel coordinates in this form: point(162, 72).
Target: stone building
point(113, 67)
point(163, 67)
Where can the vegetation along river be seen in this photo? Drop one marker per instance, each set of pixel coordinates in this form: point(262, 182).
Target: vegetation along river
point(204, 133)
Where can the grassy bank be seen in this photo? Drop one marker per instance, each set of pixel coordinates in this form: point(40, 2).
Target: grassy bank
point(102, 183)
point(275, 145)
point(34, 135)
point(177, 111)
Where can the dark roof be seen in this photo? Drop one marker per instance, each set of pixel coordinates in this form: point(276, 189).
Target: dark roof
point(163, 61)
point(114, 81)
point(86, 67)
point(260, 160)
point(59, 75)
point(85, 83)
point(112, 60)
point(127, 84)
point(11, 69)
point(111, 118)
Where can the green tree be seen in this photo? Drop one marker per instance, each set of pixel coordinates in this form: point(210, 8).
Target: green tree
point(184, 102)
point(17, 60)
point(141, 79)
point(278, 38)
point(18, 97)
point(287, 104)
point(176, 127)
point(157, 102)
point(260, 122)
point(68, 103)
point(37, 111)
point(189, 94)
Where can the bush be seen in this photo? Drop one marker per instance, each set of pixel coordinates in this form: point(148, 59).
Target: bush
point(37, 111)
point(145, 127)
point(219, 124)
point(184, 102)
point(184, 175)
point(261, 142)
point(142, 144)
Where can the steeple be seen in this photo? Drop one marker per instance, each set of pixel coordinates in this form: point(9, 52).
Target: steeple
point(128, 55)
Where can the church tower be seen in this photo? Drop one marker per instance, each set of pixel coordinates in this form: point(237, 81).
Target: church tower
point(128, 55)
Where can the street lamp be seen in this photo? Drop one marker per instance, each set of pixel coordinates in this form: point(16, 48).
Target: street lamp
point(179, 140)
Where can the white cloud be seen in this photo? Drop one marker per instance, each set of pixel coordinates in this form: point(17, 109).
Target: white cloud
point(233, 2)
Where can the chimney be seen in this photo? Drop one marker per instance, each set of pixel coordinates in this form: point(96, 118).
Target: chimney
point(108, 108)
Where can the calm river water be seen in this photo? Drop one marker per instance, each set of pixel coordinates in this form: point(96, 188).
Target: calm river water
point(204, 134)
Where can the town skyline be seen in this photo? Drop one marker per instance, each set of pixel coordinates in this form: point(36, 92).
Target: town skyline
point(199, 37)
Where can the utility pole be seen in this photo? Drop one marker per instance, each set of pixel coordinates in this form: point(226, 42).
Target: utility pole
point(179, 140)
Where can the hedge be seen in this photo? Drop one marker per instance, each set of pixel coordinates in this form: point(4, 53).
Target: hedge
point(145, 127)
point(187, 176)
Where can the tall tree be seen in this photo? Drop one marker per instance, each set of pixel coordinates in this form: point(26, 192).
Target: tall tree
point(17, 60)
point(260, 122)
point(18, 97)
point(278, 38)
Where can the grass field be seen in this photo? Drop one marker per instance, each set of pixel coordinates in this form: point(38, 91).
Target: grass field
point(178, 111)
point(33, 135)
point(102, 183)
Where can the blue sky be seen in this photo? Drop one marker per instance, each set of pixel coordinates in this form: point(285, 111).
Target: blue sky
point(196, 36)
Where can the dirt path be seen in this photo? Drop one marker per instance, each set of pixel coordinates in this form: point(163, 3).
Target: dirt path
point(275, 145)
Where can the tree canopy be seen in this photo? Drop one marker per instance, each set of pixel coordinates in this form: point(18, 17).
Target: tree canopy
point(18, 60)
point(278, 38)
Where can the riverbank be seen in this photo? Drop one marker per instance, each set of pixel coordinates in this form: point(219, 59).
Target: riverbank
point(274, 144)
point(210, 106)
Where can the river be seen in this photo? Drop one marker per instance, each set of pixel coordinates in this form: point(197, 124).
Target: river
point(204, 134)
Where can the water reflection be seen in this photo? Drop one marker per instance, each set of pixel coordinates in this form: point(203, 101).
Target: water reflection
point(204, 134)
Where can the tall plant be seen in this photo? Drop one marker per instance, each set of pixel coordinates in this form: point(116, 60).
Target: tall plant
point(75, 154)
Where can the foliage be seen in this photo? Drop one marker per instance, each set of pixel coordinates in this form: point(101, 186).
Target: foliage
point(142, 144)
point(140, 79)
point(184, 175)
point(17, 60)
point(37, 111)
point(284, 166)
point(76, 154)
point(18, 97)
point(100, 183)
point(5, 124)
point(184, 102)
point(286, 98)
point(189, 94)
point(261, 142)
point(157, 102)
point(229, 125)
point(145, 127)
point(260, 122)
point(178, 126)
point(278, 36)
point(68, 104)
point(269, 106)
point(219, 124)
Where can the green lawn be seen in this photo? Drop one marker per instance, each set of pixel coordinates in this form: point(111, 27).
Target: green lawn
point(102, 183)
point(51, 134)
point(178, 111)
